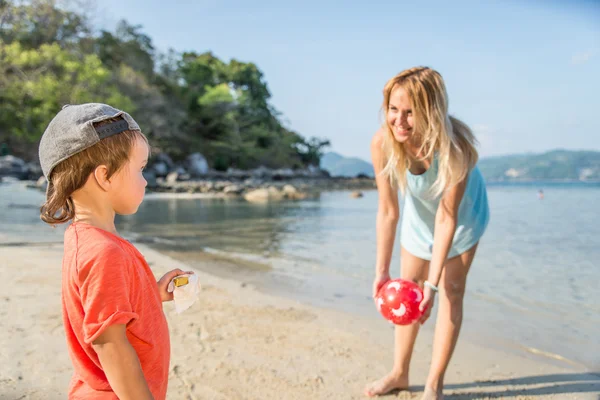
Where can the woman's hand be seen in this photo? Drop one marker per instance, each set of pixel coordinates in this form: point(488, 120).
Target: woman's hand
point(163, 283)
point(426, 304)
point(380, 280)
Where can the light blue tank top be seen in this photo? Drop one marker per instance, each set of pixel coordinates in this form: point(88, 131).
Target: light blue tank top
point(418, 214)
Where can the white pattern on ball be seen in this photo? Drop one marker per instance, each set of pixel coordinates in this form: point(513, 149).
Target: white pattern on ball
point(398, 312)
point(419, 294)
point(379, 303)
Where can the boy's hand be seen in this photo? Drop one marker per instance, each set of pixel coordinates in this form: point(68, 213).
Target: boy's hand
point(163, 283)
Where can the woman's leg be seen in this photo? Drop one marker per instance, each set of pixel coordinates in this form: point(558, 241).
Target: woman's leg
point(415, 269)
point(449, 319)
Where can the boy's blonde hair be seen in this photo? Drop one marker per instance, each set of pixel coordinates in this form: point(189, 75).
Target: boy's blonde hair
point(438, 133)
point(72, 173)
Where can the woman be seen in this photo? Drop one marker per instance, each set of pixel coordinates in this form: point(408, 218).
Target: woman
point(431, 157)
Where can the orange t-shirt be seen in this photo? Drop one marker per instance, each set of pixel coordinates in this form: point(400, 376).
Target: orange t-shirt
point(106, 281)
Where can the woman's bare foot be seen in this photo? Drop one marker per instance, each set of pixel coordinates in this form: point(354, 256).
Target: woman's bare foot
point(386, 384)
point(431, 394)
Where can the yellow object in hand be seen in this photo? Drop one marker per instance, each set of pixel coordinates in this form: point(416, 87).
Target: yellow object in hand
point(181, 281)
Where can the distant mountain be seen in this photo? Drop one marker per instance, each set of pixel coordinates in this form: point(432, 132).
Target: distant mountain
point(338, 165)
point(567, 165)
point(552, 165)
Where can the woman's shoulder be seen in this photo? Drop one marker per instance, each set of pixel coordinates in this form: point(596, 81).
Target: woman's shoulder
point(378, 140)
point(380, 135)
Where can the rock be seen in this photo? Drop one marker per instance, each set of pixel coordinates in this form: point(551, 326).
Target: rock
point(291, 193)
point(237, 173)
point(172, 177)
point(13, 167)
point(298, 196)
point(257, 196)
point(253, 183)
point(264, 195)
point(233, 189)
point(196, 164)
point(275, 194)
point(356, 194)
point(35, 170)
point(281, 174)
point(262, 172)
point(289, 190)
point(220, 185)
point(41, 183)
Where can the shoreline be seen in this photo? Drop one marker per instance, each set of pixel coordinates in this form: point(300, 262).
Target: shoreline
point(233, 189)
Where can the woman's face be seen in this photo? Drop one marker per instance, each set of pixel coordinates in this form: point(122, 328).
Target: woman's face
point(399, 115)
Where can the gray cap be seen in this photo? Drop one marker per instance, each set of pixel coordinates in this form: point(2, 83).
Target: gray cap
point(72, 131)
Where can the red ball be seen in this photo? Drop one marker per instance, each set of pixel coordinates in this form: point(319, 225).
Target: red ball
point(398, 301)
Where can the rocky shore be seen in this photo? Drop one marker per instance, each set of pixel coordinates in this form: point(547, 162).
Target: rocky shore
point(194, 177)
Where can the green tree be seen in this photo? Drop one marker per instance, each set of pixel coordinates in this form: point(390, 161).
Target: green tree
point(128, 46)
point(184, 102)
point(36, 83)
point(39, 22)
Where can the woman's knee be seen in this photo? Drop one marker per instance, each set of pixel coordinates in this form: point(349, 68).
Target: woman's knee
point(454, 292)
point(453, 295)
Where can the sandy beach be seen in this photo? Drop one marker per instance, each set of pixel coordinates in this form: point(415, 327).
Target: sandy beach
point(239, 343)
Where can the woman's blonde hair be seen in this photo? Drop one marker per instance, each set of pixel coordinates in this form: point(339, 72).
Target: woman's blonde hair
point(72, 173)
point(438, 133)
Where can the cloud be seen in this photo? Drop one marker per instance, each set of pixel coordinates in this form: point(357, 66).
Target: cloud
point(582, 57)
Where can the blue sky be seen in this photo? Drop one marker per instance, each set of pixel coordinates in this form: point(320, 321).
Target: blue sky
point(523, 74)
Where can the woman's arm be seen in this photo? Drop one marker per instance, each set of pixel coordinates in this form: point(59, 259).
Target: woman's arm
point(121, 364)
point(388, 213)
point(446, 219)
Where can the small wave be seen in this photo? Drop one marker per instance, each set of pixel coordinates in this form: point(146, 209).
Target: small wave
point(553, 356)
point(240, 256)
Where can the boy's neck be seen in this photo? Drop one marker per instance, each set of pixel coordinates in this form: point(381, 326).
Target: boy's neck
point(92, 211)
point(108, 226)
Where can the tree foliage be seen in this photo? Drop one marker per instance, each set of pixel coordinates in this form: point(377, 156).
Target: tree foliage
point(184, 103)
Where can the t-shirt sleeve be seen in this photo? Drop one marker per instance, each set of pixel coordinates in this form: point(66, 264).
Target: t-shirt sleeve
point(105, 289)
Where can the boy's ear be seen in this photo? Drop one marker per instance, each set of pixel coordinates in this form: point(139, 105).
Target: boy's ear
point(101, 176)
